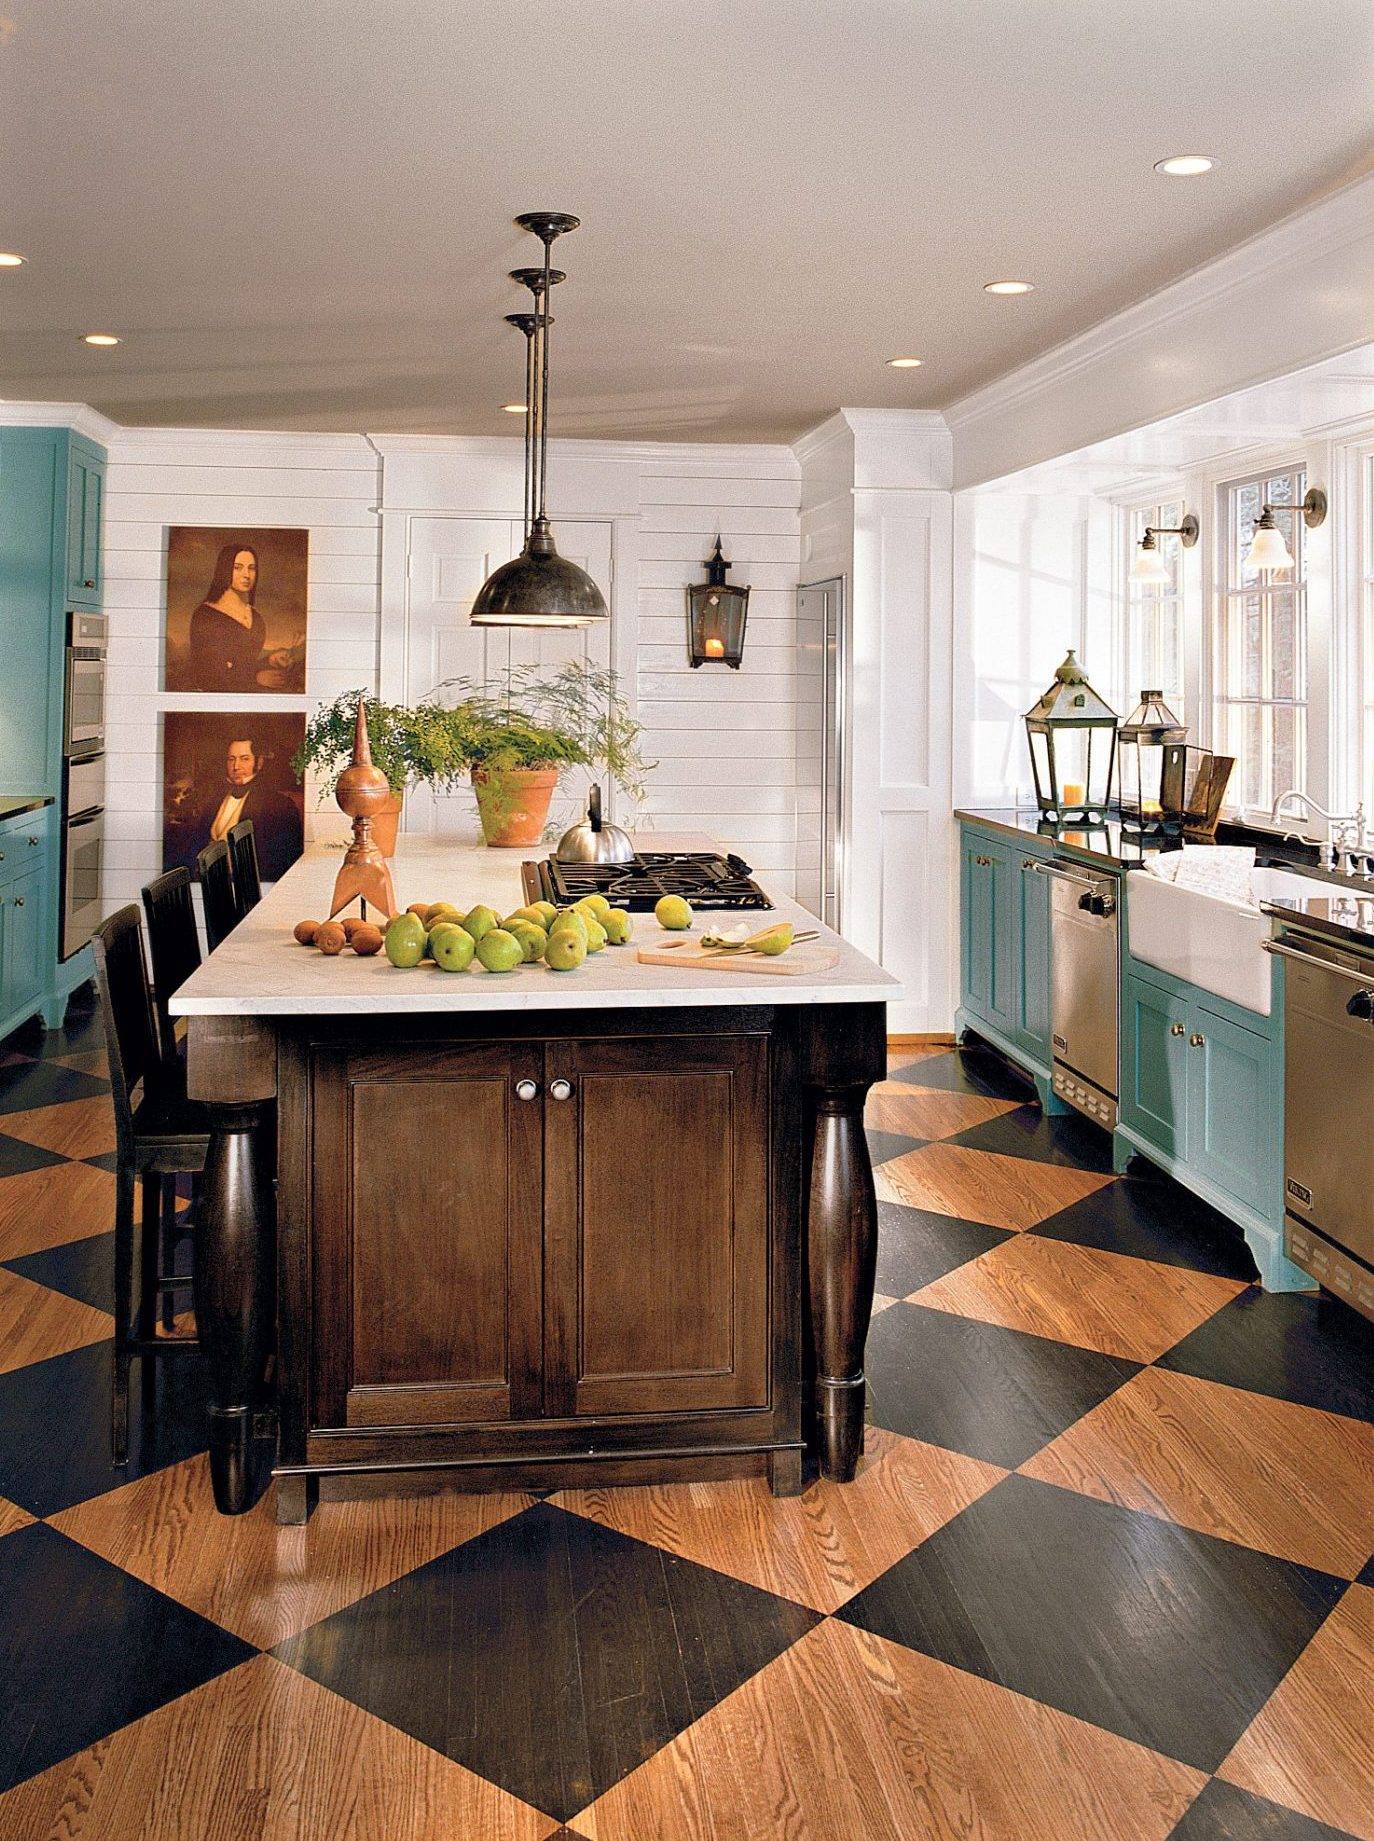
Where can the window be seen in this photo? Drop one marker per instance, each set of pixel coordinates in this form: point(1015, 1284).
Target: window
point(1154, 614)
point(1259, 664)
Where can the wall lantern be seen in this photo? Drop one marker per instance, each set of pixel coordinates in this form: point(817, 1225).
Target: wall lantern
point(716, 611)
point(1072, 736)
point(1267, 547)
point(1147, 732)
point(1147, 565)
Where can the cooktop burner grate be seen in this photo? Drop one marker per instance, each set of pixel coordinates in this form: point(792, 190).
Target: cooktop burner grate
point(707, 881)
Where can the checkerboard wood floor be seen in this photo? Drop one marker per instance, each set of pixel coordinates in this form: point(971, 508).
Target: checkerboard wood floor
point(1105, 1573)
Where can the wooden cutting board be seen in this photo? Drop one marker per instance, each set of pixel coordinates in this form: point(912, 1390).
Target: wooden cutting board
point(810, 956)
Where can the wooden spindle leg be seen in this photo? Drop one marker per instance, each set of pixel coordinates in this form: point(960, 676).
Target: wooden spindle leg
point(842, 1228)
point(234, 1289)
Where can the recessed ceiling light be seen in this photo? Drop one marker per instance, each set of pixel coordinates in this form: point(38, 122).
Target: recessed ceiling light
point(514, 409)
point(905, 364)
point(1185, 165)
point(99, 338)
point(9, 260)
point(1008, 287)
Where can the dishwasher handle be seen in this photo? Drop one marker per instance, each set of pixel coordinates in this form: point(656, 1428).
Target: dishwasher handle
point(1088, 881)
point(1278, 951)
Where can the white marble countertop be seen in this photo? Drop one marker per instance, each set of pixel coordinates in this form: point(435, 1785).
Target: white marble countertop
point(261, 971)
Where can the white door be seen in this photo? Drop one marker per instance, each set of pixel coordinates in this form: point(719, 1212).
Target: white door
point(448, 560)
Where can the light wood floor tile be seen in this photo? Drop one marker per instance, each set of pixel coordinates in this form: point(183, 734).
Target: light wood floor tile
point(1287, 1479)
point(881, 1303)
point(847, 1737)
point(1311, 1746)
point(12, 1518)
point(1104, 1301)
point(47, 1208)
point(819, 1548)
point(73, 1128)
point(1010, 1192)
point(263, 1754)
point(36, 1322)
point(927, 1112)
point(259, 1580)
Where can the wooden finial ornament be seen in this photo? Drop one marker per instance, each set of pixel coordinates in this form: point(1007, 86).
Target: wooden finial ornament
point(361, 791)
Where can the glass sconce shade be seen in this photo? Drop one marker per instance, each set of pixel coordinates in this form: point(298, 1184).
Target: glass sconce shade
point(716, 613)
point(1147, 732)
point(1072, 736)
point(1147, 565)
point(1268, 550)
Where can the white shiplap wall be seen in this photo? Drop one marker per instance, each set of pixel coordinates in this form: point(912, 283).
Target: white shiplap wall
point(160, 478)
point(724, 741)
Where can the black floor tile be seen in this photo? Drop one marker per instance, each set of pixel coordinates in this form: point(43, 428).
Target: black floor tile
point(1224, 1813)
point(109, 1650)
point(991, 1393)
point(1155, 1220)
point(46, 1083)
point(107, 1160)
point(1066, 1138)
point(550, 1654)
point(1171, 1638)
point(883, 1145)
point(82, 1269)
point(55, 1425)
point(916, 1247)
point(966, 1070)
point(81, 1030)
point(1293, 1346)
point(1366, 1573)
point(16, 1157)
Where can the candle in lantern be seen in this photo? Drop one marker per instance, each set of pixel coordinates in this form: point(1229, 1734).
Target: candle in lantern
point(714, 648)
point(1073, 792)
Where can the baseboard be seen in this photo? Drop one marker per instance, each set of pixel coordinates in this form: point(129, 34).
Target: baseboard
point(936, 1038)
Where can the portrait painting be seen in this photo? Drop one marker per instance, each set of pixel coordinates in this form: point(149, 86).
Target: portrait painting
point(218, 770)
point(236, 609)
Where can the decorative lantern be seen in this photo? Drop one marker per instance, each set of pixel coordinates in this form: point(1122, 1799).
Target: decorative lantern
point(1143, 737)
point(716, 611)
point(1072, 736)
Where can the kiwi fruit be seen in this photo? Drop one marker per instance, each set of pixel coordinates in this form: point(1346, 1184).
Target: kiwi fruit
point(331, 939)
point(365, 939)
point(305, 932)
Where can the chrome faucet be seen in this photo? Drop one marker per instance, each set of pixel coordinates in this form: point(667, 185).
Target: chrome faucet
point(1344, 847)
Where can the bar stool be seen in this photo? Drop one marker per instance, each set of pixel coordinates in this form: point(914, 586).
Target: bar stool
point(174, 951)
point(216, 874)
point(243, 853)
point(158, 1136)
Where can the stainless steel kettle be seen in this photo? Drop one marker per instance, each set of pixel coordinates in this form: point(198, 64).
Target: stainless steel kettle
point(594, 841)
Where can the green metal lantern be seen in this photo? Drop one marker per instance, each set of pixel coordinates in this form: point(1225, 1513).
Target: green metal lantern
point(1149, 729)
point(1072, 736)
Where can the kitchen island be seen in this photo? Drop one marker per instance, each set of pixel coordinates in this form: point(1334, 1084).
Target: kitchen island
point(528, 1230)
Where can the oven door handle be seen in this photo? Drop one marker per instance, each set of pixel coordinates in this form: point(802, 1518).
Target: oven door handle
point(86, 818)
point(1277, 951)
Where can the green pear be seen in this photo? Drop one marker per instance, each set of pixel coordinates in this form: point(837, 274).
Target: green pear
point(405, 941)
point(566, 949)
point(453, 947)
point(499, 951)
point(619, 925)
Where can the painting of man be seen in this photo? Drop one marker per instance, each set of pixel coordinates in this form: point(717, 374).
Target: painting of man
point(219, 770)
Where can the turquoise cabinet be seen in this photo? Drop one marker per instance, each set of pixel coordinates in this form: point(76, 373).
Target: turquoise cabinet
point(28, 878)
point(85, 523)
point(1031, 891)
point(1233, 1111)
point(979, 880)
point(1154, 1065)
point(1004, 933)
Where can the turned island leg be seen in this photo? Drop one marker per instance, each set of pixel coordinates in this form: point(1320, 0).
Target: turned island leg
point(847, 1053)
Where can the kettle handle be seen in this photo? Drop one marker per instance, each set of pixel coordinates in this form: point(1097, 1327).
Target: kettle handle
point(594, 807)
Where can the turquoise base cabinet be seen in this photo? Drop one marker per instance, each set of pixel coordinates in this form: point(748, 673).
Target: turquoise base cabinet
point(1004, 950)
point(52, 497)
point(1202, 1097)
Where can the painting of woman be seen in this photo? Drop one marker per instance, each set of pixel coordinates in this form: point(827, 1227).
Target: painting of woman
point(233, 639)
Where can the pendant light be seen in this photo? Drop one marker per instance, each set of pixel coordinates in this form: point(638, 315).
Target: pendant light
point(1268, 550)
point(1147, 565)
point(539, 588)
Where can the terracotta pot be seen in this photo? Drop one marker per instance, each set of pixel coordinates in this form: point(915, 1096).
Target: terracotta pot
point(513, 803)
point(384, 824)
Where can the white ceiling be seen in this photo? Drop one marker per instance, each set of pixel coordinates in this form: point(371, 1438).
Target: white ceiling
point(296, 213)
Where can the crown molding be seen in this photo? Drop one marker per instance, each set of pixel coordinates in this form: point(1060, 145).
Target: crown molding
point(744, 458)
point(78, 416)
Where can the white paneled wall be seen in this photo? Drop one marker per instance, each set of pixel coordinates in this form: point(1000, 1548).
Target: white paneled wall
point(723, 740)
point(158, 478)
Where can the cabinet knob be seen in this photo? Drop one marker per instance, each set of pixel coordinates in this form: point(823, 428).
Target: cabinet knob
point(527, 1089)
point(560, 1089)
point(1196, 1041)
point(33, 843)
point(19, 901)
point(88, 584)
point(1175, 1029)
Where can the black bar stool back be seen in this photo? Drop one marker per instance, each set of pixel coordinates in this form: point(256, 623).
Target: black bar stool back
point(158, 1135)
point(216, 874)
point(243, 852)
point(174, 948)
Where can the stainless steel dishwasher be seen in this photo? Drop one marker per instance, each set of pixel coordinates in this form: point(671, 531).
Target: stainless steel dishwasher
point(1328, 1147)
point(1084, 983)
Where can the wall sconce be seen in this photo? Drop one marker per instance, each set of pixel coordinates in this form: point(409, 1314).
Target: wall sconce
point(1147, 565)
point(1267, 547)
point(716, 611)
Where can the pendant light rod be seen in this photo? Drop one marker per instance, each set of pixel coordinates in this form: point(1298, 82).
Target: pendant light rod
point(547, 226)
point(527, 323)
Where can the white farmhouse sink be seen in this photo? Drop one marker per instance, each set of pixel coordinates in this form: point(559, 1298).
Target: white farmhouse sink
point(1206, 939)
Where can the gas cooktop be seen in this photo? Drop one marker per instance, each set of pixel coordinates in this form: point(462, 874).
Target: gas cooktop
point(705, 878)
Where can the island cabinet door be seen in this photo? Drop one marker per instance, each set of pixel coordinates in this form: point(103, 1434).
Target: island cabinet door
point(657, 1168)
point(427, 1206)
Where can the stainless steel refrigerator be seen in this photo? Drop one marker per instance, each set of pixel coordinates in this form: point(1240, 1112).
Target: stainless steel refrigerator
point(820, 785)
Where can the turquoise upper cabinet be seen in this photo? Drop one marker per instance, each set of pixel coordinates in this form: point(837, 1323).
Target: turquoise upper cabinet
point(85, 523)
point(1031, 891)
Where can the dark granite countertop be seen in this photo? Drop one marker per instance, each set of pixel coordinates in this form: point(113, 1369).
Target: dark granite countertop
point(1345, 916)
point(13, 804)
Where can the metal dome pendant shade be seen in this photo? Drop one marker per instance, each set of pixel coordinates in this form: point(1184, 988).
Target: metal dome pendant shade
point(539, 588)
